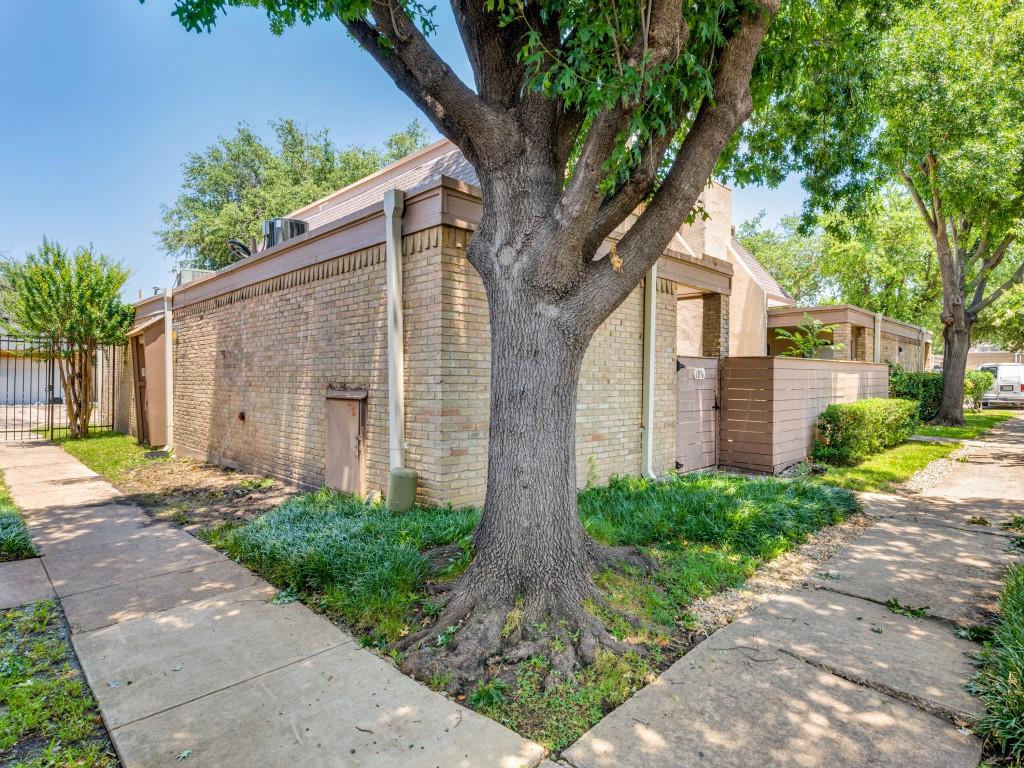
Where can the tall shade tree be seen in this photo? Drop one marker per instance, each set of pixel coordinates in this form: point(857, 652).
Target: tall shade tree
point(71, 303)
point(953, 131)
point(579, 114)
point(881, 258)
point(230, 187)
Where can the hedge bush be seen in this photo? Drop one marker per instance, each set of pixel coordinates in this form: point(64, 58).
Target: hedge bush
point(976, 384)
point(850, 432)
point(924, 388)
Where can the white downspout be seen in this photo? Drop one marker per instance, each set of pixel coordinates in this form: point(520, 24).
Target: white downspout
point(169, 365)
point(650, 361)
point(878, 337)
point(394, 206)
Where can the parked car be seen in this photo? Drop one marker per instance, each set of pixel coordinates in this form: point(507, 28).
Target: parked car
point(1008, 388)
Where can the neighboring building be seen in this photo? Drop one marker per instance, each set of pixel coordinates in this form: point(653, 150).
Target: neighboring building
point(753, 291)
point(864, 335)
point(984, 354)
point(280, 363)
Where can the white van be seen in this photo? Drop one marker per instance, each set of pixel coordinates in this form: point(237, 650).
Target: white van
point(1008, 388)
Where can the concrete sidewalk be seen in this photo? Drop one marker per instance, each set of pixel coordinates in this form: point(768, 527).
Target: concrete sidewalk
point(188, 656)
point(827, 675)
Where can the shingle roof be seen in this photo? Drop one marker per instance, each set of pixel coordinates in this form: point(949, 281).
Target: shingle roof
point(761, 275)
point(439, 159)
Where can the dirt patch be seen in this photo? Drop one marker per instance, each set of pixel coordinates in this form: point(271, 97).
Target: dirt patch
point(197, 495)
point(777, 576)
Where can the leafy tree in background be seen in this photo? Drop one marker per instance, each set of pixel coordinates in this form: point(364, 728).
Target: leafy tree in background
point(794, 257)
point(934, 104)
point(954, 134)
point(881, 258)
point(1003, 324)
point(232, 186)
point(579, 113)
point(72, 300)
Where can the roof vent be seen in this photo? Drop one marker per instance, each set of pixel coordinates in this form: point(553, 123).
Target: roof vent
point(276, 231)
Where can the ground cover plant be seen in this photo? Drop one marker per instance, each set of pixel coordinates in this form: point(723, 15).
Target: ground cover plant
point(385, 576)
point(15, 542)
point(1000, 681)
point(49, 717)
point(975, 425)
point(884, 472)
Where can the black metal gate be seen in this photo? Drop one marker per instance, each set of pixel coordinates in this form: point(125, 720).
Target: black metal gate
point(33, 399)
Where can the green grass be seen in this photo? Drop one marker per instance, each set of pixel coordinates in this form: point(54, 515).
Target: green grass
point(15, 542)
point(49, 716)
point(362, 564)
point(883, 471)
point(1000, 681)
point(109, 453)
point(977, 425)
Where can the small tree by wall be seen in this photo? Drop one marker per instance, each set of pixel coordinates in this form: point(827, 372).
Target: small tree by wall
point(808, 338)
point(73, 302)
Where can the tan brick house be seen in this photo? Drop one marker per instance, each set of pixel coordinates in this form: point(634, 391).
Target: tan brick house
point(359, 350)
point(280, 355)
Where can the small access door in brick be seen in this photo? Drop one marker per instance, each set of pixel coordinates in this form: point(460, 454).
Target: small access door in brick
point(345, 465)
point(696, 413)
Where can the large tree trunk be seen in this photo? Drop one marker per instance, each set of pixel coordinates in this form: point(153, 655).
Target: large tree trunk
point(957, 338)
point(529, 588)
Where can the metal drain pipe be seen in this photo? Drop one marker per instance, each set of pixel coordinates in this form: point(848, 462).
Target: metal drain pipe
point(650, 369)
point(401, 480)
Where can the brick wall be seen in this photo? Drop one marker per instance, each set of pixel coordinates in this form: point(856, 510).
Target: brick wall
point(271, 351)
point(897, 349)
point(609, 403)
point(273, 354)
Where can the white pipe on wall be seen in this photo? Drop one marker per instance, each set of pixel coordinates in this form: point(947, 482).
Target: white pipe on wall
point(394, 206)
point(650, 361)
point(878, 337)
point(169, 365)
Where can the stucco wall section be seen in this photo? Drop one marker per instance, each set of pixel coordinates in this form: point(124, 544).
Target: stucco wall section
point(689, 326)
point(748, 315)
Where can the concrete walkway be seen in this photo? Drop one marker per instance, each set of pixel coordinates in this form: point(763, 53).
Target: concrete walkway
point(829, 676)
point(189, 657)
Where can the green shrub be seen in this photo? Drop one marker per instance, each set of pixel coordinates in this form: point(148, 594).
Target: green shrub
point(15, 542)
point(850, 432)
point(1000, 682)
point(924, 388)
point(976, 384)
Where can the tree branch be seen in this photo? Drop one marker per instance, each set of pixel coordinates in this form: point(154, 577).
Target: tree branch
point(978, 304)
point(657, 42)
point(643, 244)
point(624, 200)
point(908, 182)
point(400, 48)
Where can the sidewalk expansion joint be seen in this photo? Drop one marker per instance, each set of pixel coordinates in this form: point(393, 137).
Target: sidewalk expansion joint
point(932, 708)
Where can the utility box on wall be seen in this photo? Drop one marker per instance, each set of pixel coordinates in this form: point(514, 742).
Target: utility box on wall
point(345, 461)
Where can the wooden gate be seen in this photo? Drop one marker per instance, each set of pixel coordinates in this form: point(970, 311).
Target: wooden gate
point(696, 413)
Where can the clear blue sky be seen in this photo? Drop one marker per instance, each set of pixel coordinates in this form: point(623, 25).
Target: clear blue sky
point(104, 98)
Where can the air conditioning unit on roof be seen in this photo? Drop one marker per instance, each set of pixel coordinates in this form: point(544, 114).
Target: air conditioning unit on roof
point(276, 231)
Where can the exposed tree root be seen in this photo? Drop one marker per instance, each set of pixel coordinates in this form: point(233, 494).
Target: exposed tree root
point(486, 625)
